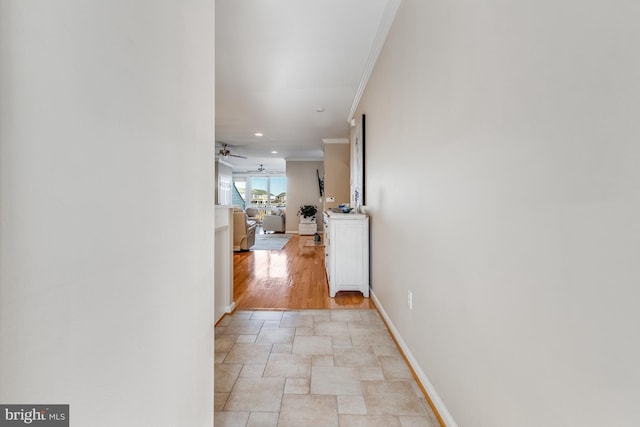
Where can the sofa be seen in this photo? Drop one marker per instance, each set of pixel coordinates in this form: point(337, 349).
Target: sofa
point(244, 231)
point(274, 221)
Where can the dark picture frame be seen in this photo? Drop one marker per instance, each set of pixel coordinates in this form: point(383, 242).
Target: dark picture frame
point(320, 183)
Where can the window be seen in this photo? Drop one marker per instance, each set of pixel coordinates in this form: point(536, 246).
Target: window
point(259, 191)
point(262, 192)
point(241, 186)
point(278, 189)
point(238, 192)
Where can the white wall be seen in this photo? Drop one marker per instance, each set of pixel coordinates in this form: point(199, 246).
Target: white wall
point(106, 133)
point(518, 123)
point(302, 189)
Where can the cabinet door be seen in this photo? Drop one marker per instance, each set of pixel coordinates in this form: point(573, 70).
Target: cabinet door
point(348, 253)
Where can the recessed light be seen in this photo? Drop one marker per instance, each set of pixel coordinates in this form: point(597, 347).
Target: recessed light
point(258, 134)
point(320, 110)
point(274, 152)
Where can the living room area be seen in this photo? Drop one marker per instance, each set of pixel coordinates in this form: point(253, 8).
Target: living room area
point(268, 200)
point(278, 259)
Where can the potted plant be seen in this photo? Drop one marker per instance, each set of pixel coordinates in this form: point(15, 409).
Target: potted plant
point(308, 213)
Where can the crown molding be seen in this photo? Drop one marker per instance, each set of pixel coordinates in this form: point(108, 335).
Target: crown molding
point(305, 159)
point(388, 16)
point(335, 140)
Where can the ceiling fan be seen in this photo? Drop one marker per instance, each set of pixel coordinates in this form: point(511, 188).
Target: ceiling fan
point(261, 170)
point(224, 152)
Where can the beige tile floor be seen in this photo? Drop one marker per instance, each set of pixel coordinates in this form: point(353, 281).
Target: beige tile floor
point(313, 368)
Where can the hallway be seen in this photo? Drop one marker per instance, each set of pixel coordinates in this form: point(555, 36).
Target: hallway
point(313, 368)
point(292, 356)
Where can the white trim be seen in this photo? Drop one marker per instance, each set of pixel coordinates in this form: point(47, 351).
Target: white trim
point(335, 140)
point(304, 159)
point(278, 174)
point(296, 232)
point(230, 308)
point(431, 391)
point(227, 310)
point(388, 16)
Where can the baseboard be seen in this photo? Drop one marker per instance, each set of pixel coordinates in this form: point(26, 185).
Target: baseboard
point(441, 411)
point(296, 232)
point(227, 310)
point(218, 319)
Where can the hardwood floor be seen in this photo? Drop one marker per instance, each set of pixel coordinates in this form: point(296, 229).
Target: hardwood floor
point(291, 278)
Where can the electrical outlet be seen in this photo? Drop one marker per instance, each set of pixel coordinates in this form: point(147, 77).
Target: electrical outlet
point(331, 199)
point(410, 300)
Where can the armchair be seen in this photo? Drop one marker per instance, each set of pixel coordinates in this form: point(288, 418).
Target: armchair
point(274, 221)
point(253, 214)
point(244, 231)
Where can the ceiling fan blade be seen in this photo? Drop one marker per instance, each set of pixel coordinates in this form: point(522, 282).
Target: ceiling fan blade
point(239, 156)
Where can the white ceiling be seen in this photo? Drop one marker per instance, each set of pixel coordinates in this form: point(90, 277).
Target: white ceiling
point(277, 62)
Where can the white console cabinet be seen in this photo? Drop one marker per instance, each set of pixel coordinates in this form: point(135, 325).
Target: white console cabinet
point(346, 240)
